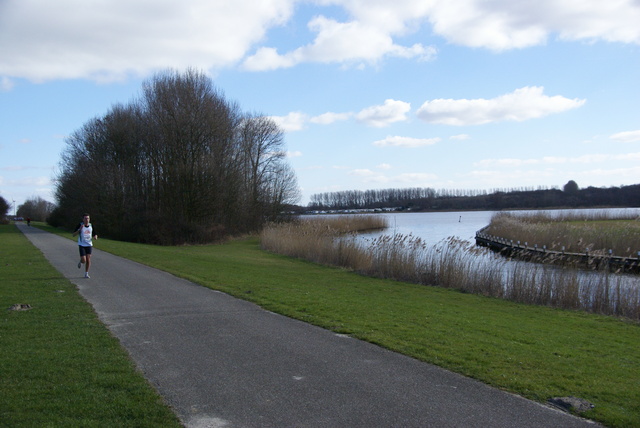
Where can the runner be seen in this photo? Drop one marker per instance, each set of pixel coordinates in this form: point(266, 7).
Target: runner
point(85, 234)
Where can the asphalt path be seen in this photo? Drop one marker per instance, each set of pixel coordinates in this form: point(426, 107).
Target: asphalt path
point(223, 362)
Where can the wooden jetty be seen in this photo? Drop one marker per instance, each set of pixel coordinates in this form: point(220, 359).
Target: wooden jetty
point(525, 251)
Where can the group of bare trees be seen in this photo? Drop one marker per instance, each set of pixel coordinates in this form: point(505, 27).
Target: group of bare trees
point(4, 208)
point(36, 209)
point(431, 199)
point(375, 198)
point(397, 197)
point(179, 164)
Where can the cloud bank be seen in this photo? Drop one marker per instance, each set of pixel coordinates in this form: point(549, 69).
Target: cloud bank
point(377, 116)
point(397, 141)
point(42, 40)
point(383, 115)
point(626, 137)
point(522, 104)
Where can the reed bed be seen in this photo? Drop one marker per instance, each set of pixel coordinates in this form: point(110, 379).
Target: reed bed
point(318, 239)
point(456, 264)
point(595, 232)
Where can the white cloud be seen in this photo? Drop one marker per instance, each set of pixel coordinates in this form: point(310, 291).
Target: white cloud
point(592, 158)
point(266, 59)
point(377, 116)
point(43, 40)
point(384, 166)
point(626, 137)
point(367, 176)
point(599, 158)
point(555, 160)
point(505, 24)
point(497, 25)
point(339, 42)
point(613, 176)
point(504, 179)
point(396, 141)
point(22, 168)
point(295, 154)
point(6, 84)
point(621, 175)
point(29, 182)
point(329, 118)
point(109, 40)
point(522, 104)
point(406, 179)
point(383, 115)
point(507, 162)
point(415, 177)
point(460, 137)
point(294, 121)
point(362, 173)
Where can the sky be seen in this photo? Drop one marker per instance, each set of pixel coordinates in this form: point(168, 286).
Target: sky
point(371, 94)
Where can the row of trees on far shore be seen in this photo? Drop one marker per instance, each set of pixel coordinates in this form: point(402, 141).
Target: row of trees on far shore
point(418, 199)
point(36, 209)
point(180, 164)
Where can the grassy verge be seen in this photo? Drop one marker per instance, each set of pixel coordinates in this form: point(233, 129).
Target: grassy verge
point(59, 366)
point(534, 351)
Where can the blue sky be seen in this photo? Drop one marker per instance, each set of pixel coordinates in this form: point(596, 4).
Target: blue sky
point(446, 94)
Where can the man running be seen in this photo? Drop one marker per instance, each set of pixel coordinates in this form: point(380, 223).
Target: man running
point(85, 234)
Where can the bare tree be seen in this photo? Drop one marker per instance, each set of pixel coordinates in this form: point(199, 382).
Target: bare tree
point(189, 145)
point(261, 144)
point(180, 164)
point(280, 190)
point(36, 209)
point(4, 208)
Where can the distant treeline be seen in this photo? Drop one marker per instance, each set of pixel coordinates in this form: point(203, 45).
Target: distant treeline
point(427, 199)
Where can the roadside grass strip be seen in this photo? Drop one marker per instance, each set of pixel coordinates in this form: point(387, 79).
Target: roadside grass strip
point(59, 366)
point(537, 352)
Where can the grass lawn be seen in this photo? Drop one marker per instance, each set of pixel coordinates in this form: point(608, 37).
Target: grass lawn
point(59, 366)
point(537, 352)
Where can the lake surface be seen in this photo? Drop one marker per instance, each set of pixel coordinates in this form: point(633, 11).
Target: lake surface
point(436, 226)
point(433, 227)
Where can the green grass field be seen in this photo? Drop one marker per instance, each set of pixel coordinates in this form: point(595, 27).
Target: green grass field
point(59, 366)
point(533, 351)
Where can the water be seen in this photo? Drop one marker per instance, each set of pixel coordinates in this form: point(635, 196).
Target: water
point(433, 227)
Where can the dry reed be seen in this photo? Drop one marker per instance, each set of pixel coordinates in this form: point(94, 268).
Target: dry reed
point(452, 263)
point(595, 232)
